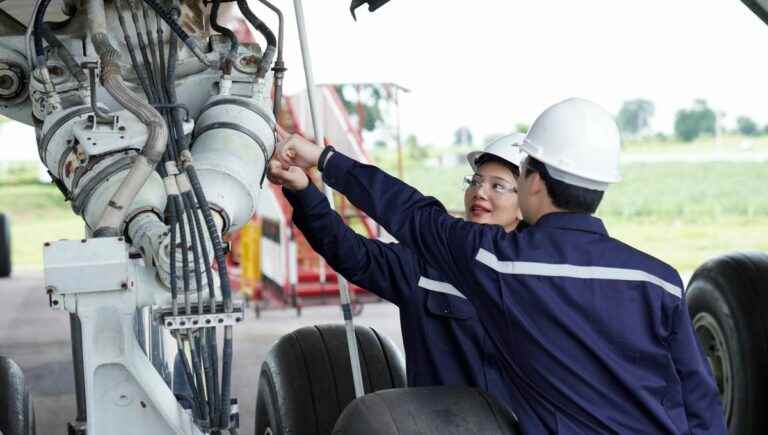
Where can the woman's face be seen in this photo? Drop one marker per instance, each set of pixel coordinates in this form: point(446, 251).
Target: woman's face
point(491, 196)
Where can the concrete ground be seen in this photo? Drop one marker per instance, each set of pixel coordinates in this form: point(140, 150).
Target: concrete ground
point(37, 338)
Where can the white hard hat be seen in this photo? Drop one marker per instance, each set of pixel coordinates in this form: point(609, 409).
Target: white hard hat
point(506, 148)
point(578, 141)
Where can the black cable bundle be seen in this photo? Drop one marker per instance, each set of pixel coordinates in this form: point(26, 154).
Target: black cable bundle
point(211, 399)
point(158, 82)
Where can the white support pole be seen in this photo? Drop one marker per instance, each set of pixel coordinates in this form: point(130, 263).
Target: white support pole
point(317, 127)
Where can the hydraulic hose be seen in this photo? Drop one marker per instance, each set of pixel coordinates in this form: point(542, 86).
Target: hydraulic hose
point(39, 21)
point(141, 73)
point(233, 43)
point(218, 398)
point(184, 256)
point(66, 56)
point(144, 164)
point(209, 350)
point(269, 52)
point(279, 67)
point(161, 49)
point(150, 72)
point(189, 376)
point(172, 252)
point(152, 45)
point(165, 14)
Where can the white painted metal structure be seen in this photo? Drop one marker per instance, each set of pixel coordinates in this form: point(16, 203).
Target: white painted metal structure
point(114, 284)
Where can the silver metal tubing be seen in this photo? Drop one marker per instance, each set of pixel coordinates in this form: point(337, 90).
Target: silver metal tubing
point(357, 374)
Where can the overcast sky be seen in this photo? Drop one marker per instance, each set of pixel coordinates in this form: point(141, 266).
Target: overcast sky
point(490, 64)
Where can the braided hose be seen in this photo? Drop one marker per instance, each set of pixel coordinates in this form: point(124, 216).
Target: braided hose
point(144, 165)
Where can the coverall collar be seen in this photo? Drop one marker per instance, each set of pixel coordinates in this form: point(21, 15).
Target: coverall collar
point(572, 221)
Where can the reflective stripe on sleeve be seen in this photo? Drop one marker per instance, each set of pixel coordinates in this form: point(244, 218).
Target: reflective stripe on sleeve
point(438, 286)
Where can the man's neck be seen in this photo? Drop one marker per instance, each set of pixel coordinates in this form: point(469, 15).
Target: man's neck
point(545, 210)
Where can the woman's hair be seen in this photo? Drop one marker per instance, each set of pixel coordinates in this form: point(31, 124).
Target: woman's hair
point(486, 158)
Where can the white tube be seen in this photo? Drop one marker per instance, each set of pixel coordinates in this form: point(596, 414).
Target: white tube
point(234, 138)
point(317, 126)
point(126, 193)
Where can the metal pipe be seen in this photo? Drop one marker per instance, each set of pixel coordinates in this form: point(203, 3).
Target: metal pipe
point(39, 19)
point(144, 164)
point(66, 56)
point(269, 52)
point(76, 334)
point(279, 67)
point(346, 309)
point(233, 43)
point(166, 16)
point(28, 35)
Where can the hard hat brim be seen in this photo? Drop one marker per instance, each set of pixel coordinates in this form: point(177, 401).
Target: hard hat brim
point(532, 150)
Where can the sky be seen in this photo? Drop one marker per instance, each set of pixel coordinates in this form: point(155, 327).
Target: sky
point(491, 64)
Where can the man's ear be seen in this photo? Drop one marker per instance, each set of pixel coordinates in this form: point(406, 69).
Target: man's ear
point(536, 184)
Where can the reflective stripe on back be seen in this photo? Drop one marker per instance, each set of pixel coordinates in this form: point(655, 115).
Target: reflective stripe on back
point(571, 271)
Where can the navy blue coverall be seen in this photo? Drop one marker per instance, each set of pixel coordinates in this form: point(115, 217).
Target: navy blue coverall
point(593, 335)
point(445, 343)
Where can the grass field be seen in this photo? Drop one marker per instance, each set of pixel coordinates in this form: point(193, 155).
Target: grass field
point(681, 212)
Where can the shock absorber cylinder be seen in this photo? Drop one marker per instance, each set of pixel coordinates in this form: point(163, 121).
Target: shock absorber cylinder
point(234, 139)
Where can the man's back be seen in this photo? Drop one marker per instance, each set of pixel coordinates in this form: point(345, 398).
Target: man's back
point(597, 337)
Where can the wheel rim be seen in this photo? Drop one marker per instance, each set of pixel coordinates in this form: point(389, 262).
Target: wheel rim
point(715, 348)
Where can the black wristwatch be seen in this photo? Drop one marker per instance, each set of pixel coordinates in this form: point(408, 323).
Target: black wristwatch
point(324, 156)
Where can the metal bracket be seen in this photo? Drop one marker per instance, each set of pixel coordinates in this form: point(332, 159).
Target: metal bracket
point(196, 320)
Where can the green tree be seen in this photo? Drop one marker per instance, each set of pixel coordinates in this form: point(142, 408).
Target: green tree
point(747, 126)
point(365, 101)
point(522, 127)
point(412, 141)
point(416, 151)
point(695, 121)
point(634, 116)
point(463, 136)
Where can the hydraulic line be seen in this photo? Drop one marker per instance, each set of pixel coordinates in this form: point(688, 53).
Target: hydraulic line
point(190, 212)
point(152, 47)
point(28, 35)
point(157, 138)
point(161, 48)
point(143, 50)
point(166, 16)
point(184, 256)
point(181, 353)
point(279, 67)
point(357, 375)
point(233, 43)
point(210, 357)
point(269, 52)
point(39, 53)
point(172, 252)
point(140, 72)
point(66, 56)
point(39, 15)
point(209, 350)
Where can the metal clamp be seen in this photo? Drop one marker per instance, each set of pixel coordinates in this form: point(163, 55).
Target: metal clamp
point(204, 320)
